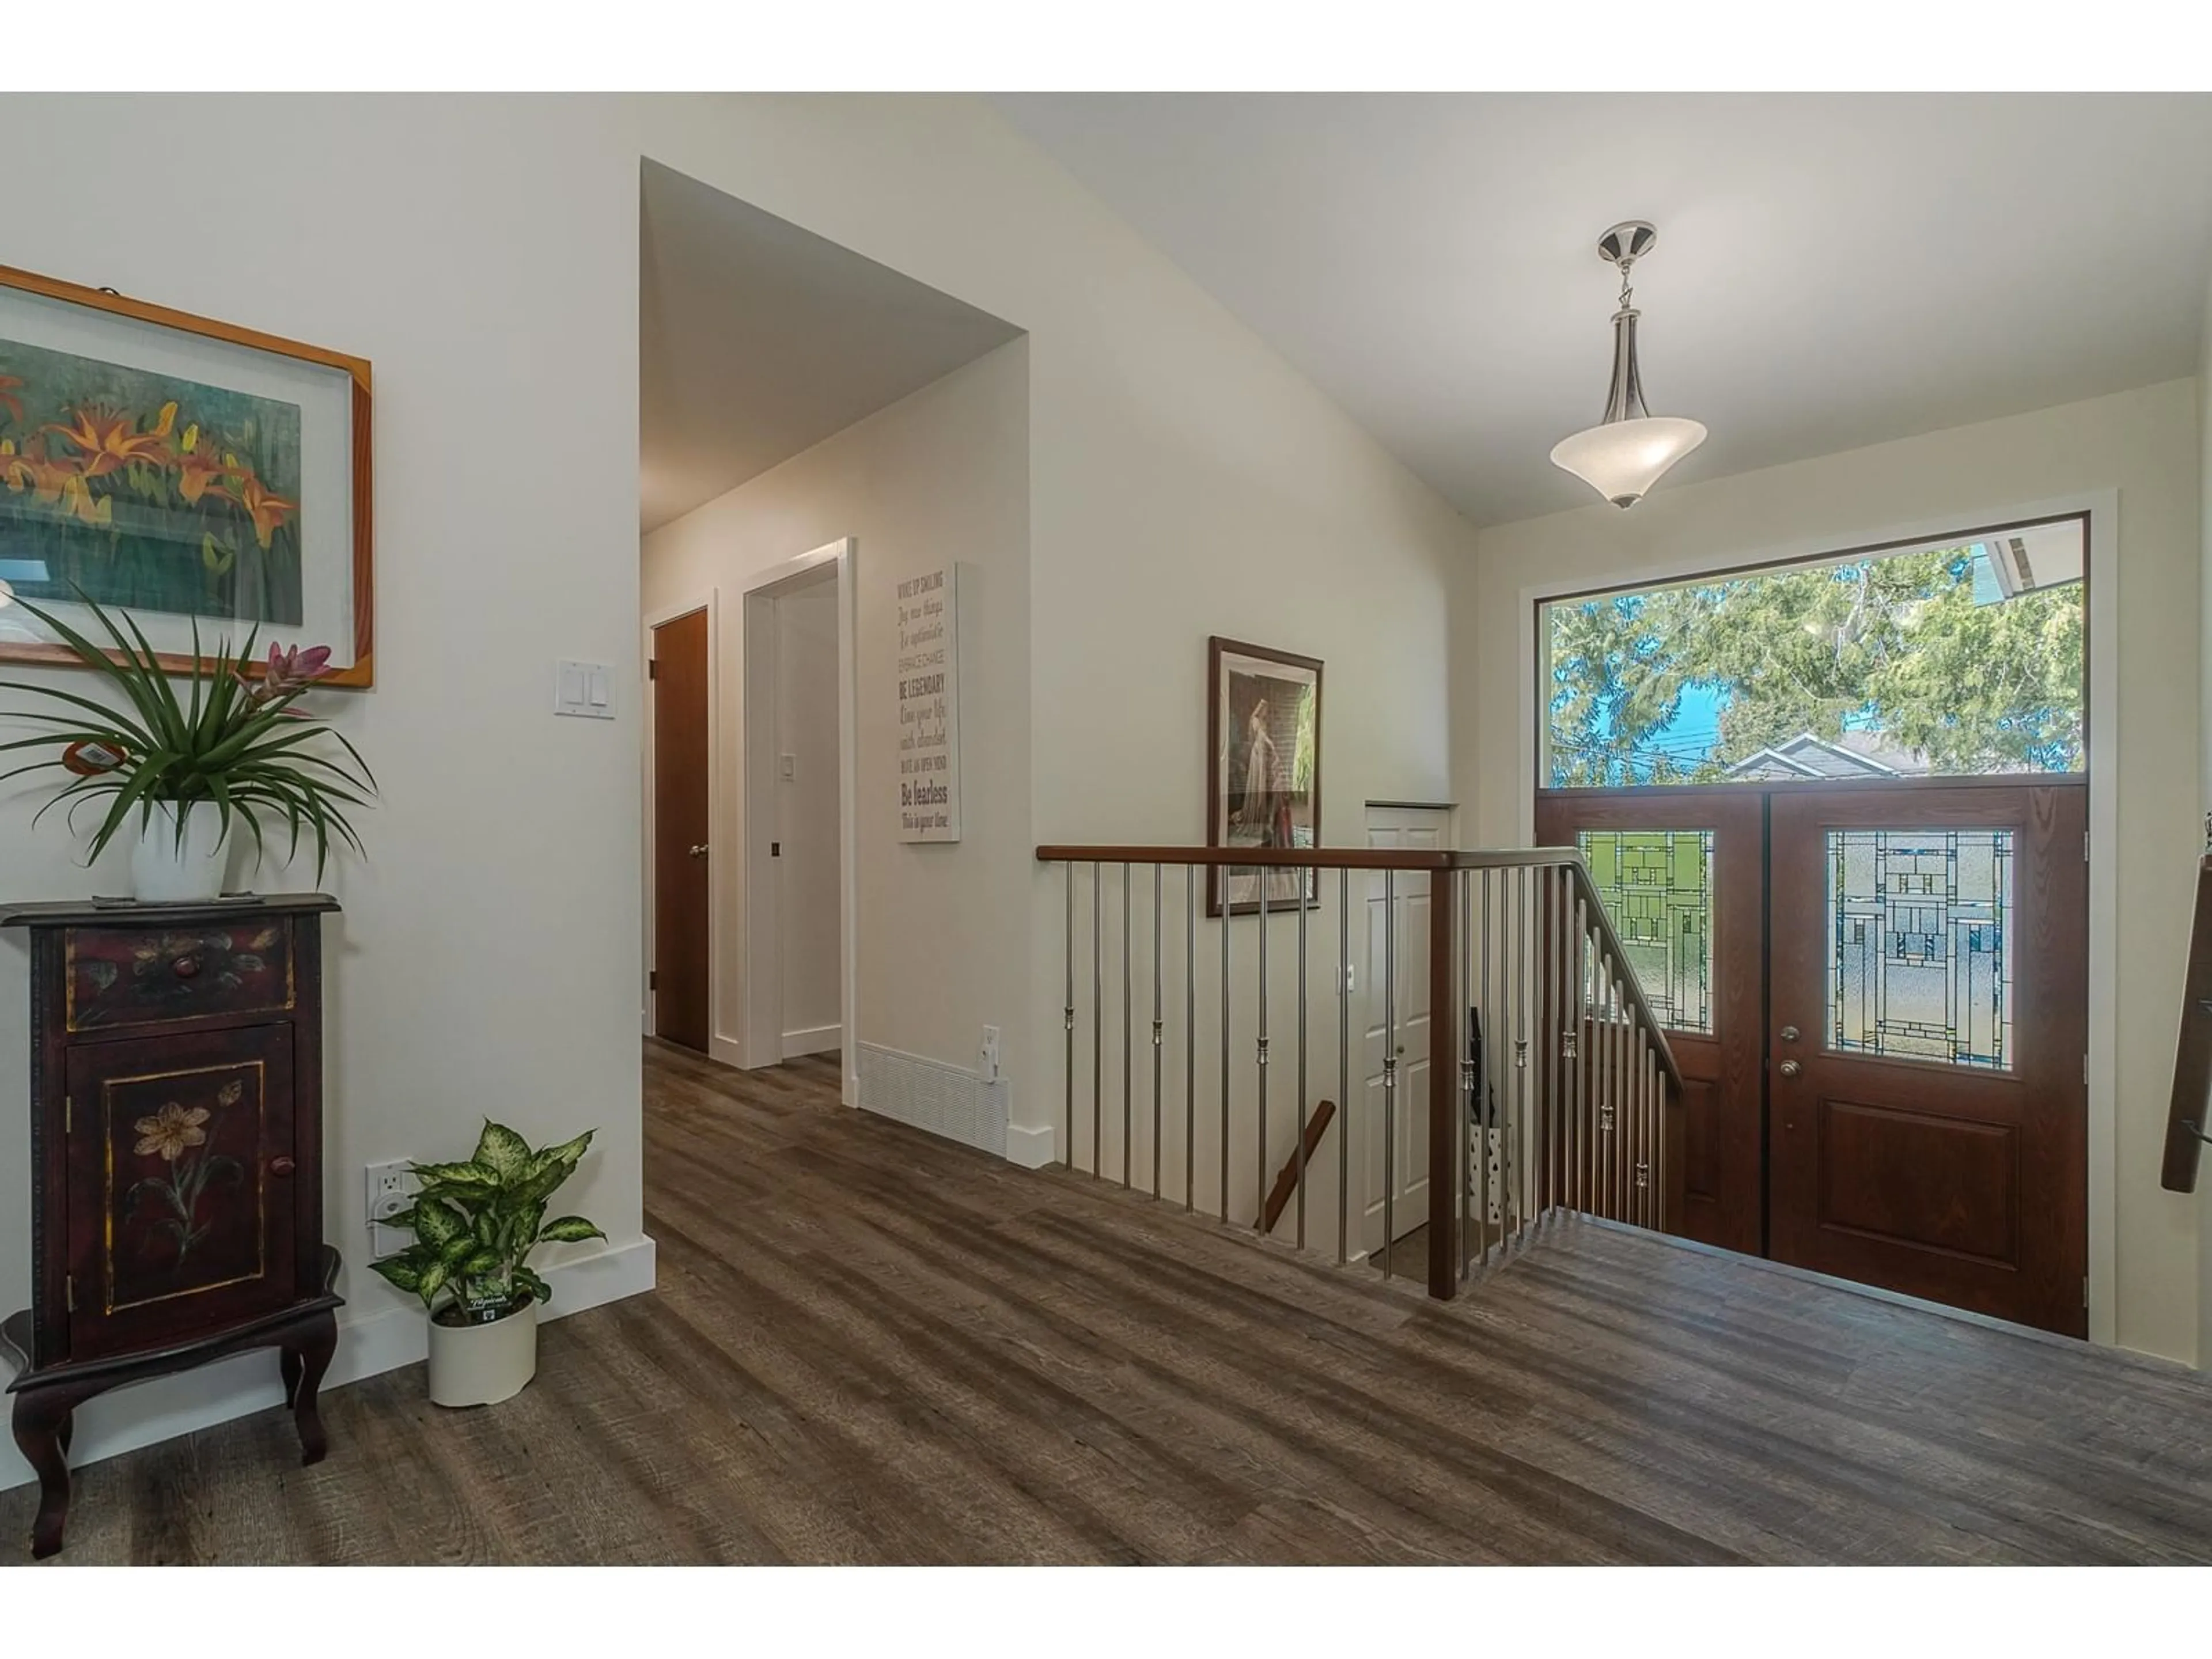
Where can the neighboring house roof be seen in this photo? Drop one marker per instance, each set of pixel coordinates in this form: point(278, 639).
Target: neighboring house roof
point(1854, 755)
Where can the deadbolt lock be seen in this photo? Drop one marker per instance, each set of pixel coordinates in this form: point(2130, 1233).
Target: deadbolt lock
point(1789, 1034)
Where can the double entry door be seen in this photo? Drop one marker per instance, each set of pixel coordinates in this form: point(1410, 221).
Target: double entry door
point(1877, 995)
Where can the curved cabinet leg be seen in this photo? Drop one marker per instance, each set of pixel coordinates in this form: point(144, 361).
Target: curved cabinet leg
point(288, 1363)
point(317, 1343)
point(41, 1428)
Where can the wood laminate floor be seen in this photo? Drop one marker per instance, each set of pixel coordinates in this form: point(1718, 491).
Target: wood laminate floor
point(869, 1346)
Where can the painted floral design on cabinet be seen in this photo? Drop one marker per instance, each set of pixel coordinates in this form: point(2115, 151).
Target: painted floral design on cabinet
point(189, 1218)
point(177, 1135)
point(120, 978)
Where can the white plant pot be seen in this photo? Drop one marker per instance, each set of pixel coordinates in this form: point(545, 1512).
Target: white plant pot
point(164, 870)
point(484, 1365)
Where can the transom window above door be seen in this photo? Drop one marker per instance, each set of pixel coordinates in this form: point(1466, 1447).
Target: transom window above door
point(1957, 659)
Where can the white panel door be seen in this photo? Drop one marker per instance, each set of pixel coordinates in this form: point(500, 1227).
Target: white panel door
point(1394, 1134)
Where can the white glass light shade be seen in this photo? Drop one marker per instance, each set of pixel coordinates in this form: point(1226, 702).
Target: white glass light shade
point(1621, 459)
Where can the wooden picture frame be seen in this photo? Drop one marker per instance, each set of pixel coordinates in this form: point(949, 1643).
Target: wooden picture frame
point(1263, 707)
point(300, 566)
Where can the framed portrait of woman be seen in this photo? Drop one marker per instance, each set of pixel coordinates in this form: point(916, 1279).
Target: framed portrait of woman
point(1263, 771)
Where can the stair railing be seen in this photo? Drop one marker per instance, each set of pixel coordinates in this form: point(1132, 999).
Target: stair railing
point(1516, 1070)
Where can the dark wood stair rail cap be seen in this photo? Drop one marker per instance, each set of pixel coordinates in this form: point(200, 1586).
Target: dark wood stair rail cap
point(2192, 1059)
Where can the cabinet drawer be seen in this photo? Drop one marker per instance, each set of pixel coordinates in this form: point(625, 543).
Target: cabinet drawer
point(119, 976)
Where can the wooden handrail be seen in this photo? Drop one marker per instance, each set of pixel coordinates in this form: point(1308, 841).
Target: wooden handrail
point(1317, 858)
point(2192, 1059)
point(1279, 1195)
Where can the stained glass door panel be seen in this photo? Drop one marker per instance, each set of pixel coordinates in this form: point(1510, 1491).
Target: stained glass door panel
point(1657, 886)
point(1920, 927)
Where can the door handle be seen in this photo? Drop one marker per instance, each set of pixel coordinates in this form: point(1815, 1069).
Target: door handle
point(1790, 1068)
point(699, 852)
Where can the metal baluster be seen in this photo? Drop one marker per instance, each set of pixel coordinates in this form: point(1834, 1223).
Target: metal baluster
point(1097, 1020)
point(1158, 1027)
point(1068, 1023)
point(1469, 1135)
point(1579, 1125)
point(1129, 1079)
point(1227, 915)
point(1616, 1073)
point(1517, 998)
point(1642, 1171)
point(1299, 1128)
point(1552, 1020)
point(1493, 1035)
point(1563, 1044)
point(1603, 1089)
point(1259, 1188)
point(1189, 1031)
point(1343, 1062)
point(1390, 1065)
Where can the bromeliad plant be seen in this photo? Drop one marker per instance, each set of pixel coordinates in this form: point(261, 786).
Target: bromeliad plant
point(474, 1224)
point(237, 742)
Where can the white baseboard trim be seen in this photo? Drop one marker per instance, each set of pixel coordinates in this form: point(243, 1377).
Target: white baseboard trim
point(728, 1050)
point(1031, 1148)
point(379, 1340)
point(815, 1040)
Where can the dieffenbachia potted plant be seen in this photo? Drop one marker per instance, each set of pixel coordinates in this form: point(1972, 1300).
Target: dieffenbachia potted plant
point(474, 1224)
point(189, 770)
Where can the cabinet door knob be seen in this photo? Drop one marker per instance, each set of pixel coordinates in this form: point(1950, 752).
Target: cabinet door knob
point(186, 966)
point(281, 1166)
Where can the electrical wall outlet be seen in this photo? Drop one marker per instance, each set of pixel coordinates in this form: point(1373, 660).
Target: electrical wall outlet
point(391, 1188)
point(990, 1054)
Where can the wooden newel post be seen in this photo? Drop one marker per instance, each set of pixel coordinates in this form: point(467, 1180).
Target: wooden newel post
point(1445, 1177)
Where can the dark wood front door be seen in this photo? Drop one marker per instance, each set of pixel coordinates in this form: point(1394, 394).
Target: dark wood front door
point(1878, 997)
point(1930, 1023)
point(681, 917)
point(1687, 866)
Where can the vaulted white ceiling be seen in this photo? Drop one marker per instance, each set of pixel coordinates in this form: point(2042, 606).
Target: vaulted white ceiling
point(1832, 270)
point(758, 339)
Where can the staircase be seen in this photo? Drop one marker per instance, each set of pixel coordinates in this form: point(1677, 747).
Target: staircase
point(1501, 1067)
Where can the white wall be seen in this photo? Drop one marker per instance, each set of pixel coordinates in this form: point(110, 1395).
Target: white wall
point(1184, 481)
point(483, 253)
point(806, 816)
point(941, 476)
point(2141, 445)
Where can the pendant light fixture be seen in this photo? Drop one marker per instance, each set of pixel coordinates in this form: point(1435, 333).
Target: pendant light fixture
point(1627, 453)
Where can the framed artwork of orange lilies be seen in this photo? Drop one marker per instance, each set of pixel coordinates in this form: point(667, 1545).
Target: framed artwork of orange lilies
point(206, 479)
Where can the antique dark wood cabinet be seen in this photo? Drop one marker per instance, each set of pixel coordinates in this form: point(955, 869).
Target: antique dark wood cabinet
point(176, 1159)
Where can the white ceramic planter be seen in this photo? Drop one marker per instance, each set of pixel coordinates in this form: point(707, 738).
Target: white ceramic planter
point(164, 870)
point(484, 1365)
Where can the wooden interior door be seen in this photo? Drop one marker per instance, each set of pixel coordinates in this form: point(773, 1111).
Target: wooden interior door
point(681, 765)
point(1683, 869)
point(1930, 1020)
